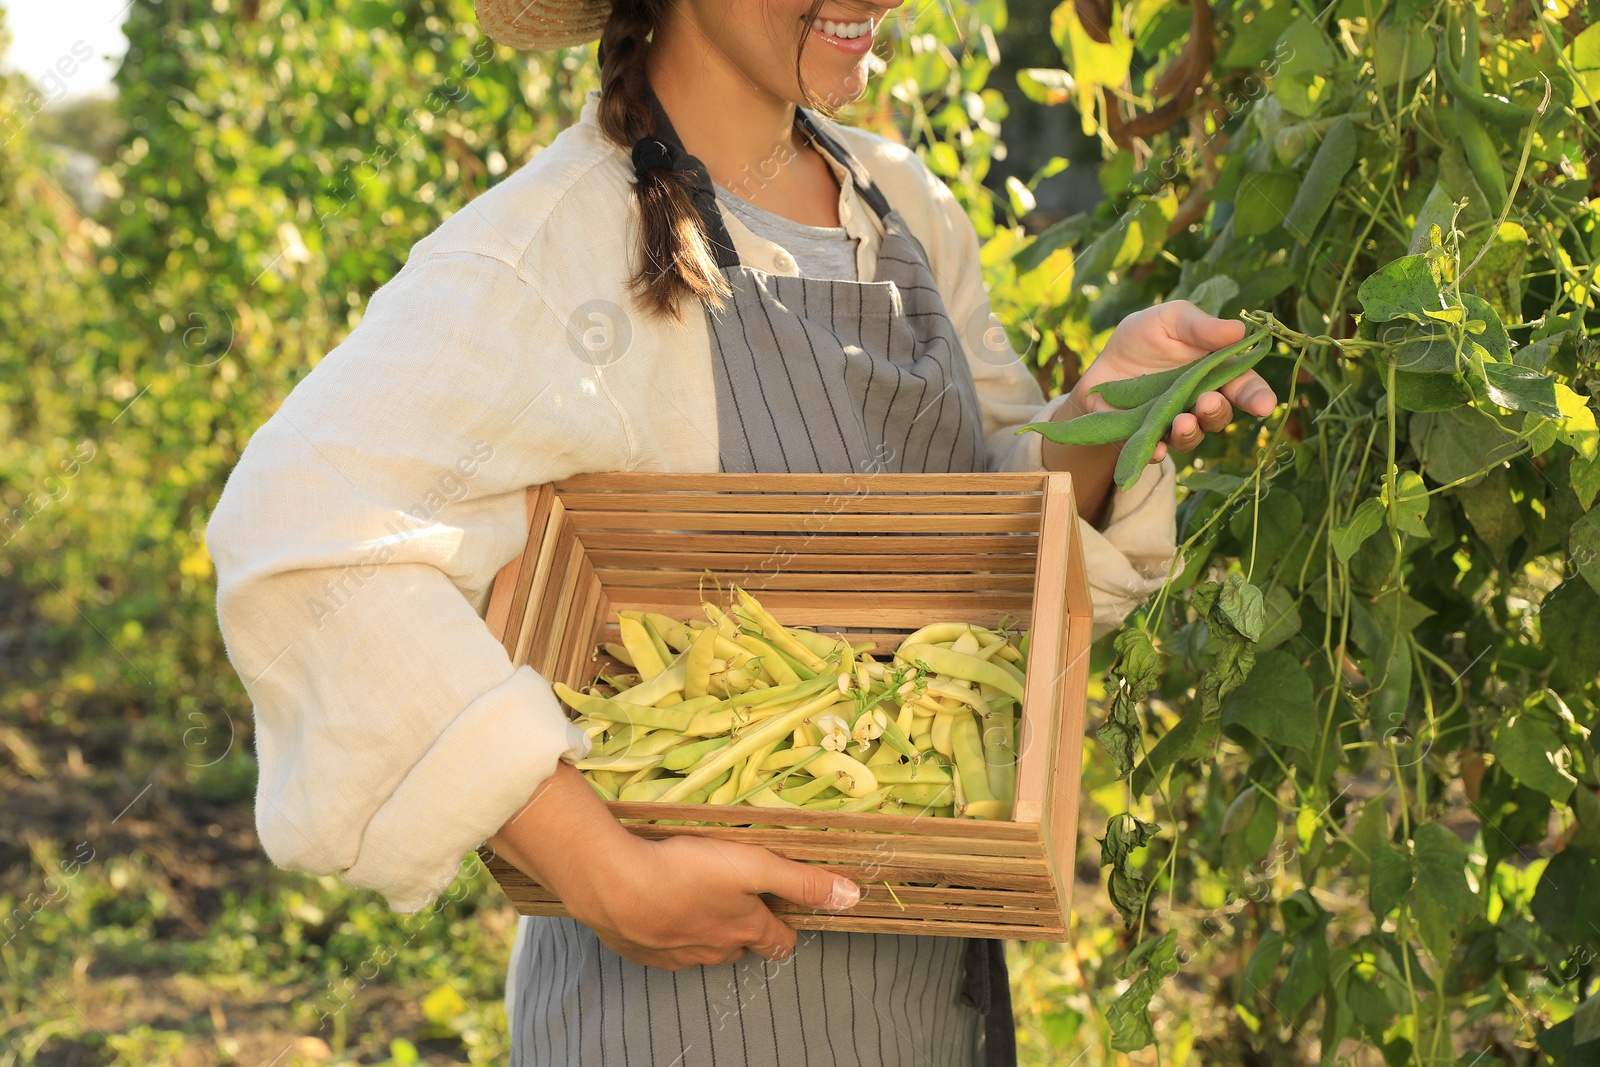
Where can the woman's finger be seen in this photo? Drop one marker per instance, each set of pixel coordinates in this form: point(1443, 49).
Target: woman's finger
point(1251, 393)
point(1186, 434)
point(1213, 411)
point(1187, 323)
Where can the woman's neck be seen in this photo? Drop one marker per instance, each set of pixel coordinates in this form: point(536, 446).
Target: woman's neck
point(745, 136)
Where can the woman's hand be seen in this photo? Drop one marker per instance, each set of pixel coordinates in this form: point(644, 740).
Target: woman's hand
point(1155, 339)
point(674, 903)
point(1170, 335)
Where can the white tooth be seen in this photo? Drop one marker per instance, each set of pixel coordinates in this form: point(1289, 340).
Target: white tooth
point(830, 28)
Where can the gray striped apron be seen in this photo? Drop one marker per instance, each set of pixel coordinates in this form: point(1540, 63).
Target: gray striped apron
point(811, 375)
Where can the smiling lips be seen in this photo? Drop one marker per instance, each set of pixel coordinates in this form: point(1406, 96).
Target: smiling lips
point(849, 36)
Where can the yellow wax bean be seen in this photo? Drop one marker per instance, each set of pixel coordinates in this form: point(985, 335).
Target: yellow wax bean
point(697, 664)
point(968, 747)
point(966, 644)
point(733, 653)
point(923, 771)
point(646, 791)
point(605, 794)
point(987, 809)
point(656, 639)
point(945, 661)
point(941, 734)
point(1000, 753)
point(754, 739)
point(637, 641)
point(808, 791)
point(666, 684)
point(685, 756)
point(618, 652)
point(955, 784)
point(723, 794)
point(937, 633)
point(616, 711)
point(776, 635)
point(845, 773)
point(752, 766)
point(776, 667)
point(922, 794)
point(787, 757)
point(819, 644)
point(766, 798)
point(625, 761)
point(646, 775)
point(972, 698)
point(671, 630)
point(923, 739)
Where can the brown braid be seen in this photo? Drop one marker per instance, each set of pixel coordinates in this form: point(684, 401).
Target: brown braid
point(676, 262)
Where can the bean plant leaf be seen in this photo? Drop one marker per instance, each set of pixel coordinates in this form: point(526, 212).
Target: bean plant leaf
point(1583, 548)
point(1262, 201)
point(1410, 504)
point(1404, 288)
point(1390, 879)
point(1256, 978)
point(1348, 535)
point(1308, 970)
point(1211, 294)
point(1566, 629)
point(1459, 445)
point(1276, 703)
point(1567, 900)
point(1520, 389)
point(1124, 834)
point(1120, 733)
point(1129, 1014)
point(1190, 735)
point(1535, 756)
point(1491, 334)
point(1442, 901)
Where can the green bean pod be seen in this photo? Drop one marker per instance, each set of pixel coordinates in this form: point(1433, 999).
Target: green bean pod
point(1482, 156)
point(1141, 447)
point(1489, 108)
point(1095, 428)
point(1335, 156)
point(1131, 392)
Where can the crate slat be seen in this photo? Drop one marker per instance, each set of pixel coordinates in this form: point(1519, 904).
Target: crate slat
point(622, 482)
point(783, 522)
point(831, 582)
point(667, 504)
point(752, 835)
point(1022, 545)
point(762, 562)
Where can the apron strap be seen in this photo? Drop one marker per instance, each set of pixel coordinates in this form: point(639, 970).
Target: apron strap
point(704, 197)
point(701, 192)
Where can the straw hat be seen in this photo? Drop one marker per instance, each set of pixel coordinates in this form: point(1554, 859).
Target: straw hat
point(537, 25)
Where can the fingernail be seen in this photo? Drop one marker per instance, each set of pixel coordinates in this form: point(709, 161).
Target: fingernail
point(845, 894)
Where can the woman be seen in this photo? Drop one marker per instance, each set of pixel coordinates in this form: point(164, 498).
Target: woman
point(700, 275)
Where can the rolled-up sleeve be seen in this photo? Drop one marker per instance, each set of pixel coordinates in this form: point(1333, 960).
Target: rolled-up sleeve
point(355, 544)
point(1128, 557)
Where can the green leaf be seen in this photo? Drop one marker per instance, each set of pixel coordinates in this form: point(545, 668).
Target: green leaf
point(1276, 703)
point(1129, 1014)
point(1069, 231)
point(1262, 201)
point(1404, 288)
point(1265, 529)
point(1494, 516)
point(1411, 504)
point(1124, 834)
point(1565, 620)
point(1492, 336)
point(1308, 970)
point(1211, 294)
point(1442, 902)
point(1188, 736)
point(1584, 54)
point(1137, 661)
point(1535, 756)
point(1348, 536)
point(1241, 606)
point(1583, 548)
point(1521, 389)
point(1256, 27)
point(1459, 444)
point(1256, 978)
point(1567, 900)
point(1390, 880)
point(1403, 52)
point(1120, 733)
point(1586, 806)
point(1283, 618)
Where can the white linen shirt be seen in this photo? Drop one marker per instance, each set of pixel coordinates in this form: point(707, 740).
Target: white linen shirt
point(358, 537)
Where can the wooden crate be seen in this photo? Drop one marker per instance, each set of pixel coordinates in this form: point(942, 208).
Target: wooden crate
point(875, 556)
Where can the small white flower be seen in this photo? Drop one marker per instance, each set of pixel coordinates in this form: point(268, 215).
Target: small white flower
point(835, 732)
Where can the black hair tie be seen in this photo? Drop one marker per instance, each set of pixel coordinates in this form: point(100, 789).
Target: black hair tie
point(652, 154)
